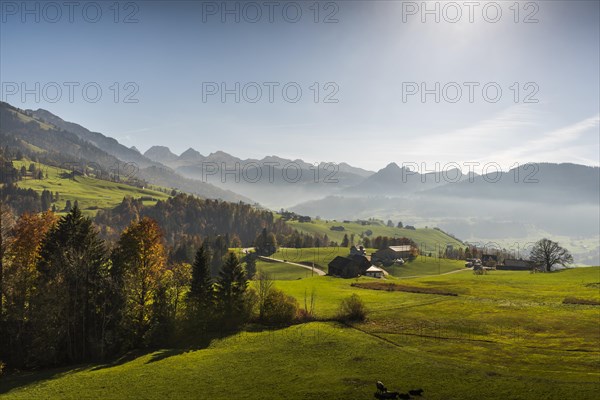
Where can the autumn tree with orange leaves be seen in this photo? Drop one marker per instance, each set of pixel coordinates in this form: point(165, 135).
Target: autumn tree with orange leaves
point(22, 253)
point(139, 265)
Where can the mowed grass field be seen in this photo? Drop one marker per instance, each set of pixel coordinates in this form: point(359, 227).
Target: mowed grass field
point(507, 335)
point(91, 193)
point(427, 239)
point(282, 271)
point(423, 265)
point(321, 257)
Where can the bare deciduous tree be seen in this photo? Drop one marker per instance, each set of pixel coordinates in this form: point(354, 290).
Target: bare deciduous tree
point(547, 254)
point(265, 284)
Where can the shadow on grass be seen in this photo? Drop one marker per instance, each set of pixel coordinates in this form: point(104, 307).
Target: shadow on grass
point(20, 379)
point(127, 357)
point(166, 353)
point(17, 380)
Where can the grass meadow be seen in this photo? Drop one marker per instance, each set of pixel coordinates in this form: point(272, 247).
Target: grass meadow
point(427, 239)
point(91, 193)
point(507, 335)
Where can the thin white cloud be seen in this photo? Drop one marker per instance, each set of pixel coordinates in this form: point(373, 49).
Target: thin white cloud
point(550, 145)
point(518, 134)
point(481, 138)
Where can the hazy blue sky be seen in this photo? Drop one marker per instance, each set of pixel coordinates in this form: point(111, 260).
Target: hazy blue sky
point(369, 54)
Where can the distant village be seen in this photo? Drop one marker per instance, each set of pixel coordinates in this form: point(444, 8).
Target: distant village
point(359, 263)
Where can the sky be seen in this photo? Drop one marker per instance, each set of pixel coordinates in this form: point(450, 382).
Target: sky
point(362, 82)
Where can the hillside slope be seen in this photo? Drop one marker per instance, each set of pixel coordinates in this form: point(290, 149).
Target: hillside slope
point(91, 193)
point(59, 146)
point(499, 337)
point(428, 239)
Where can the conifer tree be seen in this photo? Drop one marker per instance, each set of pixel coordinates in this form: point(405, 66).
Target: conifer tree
point(72, 289)
point(231, 290)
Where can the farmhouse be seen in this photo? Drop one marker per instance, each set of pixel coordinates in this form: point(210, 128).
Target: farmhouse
point(489, 257)
point(357, 251)
point(392, 253)
point(374, 272)
point(516, 265)
point(349, 267)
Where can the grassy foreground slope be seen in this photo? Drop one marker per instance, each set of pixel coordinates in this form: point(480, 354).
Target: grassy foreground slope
point(506, 335)
point(428, 239)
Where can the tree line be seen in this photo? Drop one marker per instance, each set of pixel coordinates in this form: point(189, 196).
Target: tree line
point(186, 220)
point(68, 296)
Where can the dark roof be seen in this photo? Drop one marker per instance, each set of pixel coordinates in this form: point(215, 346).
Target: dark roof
point(517, 263)
point(350, 266)
point(361, 260)
point(339, 262)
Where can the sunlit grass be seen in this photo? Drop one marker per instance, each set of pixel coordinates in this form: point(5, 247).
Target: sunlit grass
point(507, 335)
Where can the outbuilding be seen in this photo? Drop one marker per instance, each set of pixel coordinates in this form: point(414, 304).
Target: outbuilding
point(374, 272)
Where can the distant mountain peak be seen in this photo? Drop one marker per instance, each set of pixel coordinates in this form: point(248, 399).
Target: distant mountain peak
point(220, 153)
point(391, 167)
point(220, 157)
point(135, 149)
point(159, 148)
point(191, 155)
point(39, 110)
point(160, 154)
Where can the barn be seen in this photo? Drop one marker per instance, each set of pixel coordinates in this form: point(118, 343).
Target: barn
point(515, 265)
point(349, 267)
point(388, 255)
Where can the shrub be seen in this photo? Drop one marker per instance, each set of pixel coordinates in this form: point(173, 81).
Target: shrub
point(352, 309)
point(307, 313)
point(279, 308)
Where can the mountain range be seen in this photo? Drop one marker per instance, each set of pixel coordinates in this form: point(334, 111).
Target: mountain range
point(532, 182)
point(65, 142)
point(554, 200)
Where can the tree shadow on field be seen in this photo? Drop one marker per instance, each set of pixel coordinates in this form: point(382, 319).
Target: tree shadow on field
point(16, 380)
point(196, 344)
point(19, 379)
point(166, 353)
point(125, 358)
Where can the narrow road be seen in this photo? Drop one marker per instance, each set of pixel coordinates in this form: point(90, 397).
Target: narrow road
point(317, 271)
